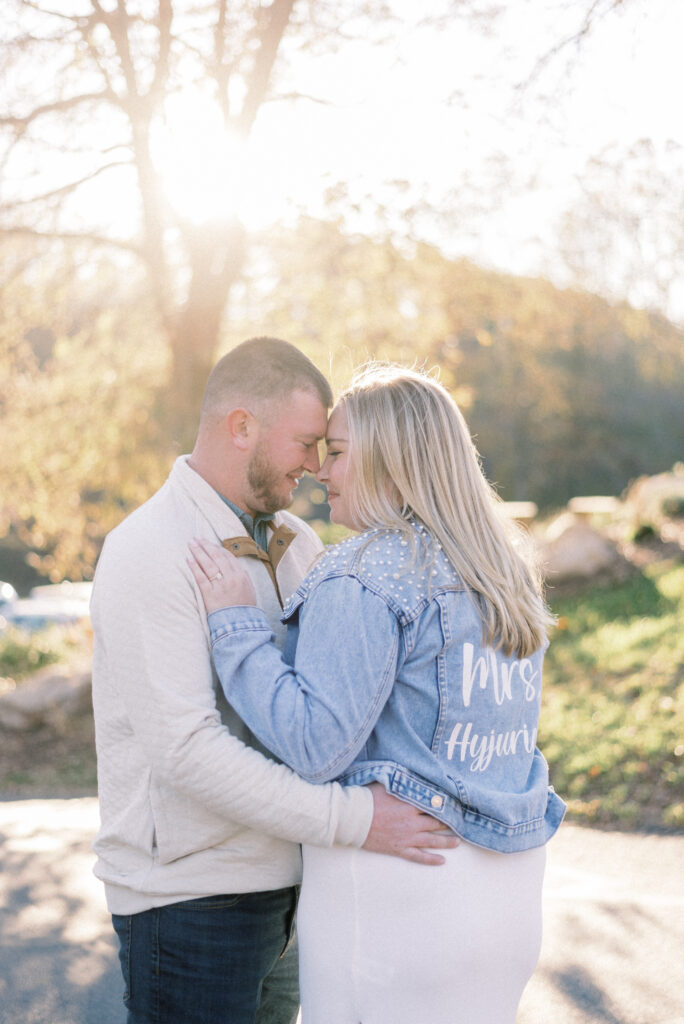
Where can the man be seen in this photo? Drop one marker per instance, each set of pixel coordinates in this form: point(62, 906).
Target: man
point(198, 843)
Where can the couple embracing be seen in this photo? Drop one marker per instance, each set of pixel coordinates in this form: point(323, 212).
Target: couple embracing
point(373, 705)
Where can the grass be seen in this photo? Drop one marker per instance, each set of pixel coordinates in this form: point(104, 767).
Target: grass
point(55, 759)
point(612, 724)
point(22, 653)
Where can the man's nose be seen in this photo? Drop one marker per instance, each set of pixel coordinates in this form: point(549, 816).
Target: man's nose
point(312, 461)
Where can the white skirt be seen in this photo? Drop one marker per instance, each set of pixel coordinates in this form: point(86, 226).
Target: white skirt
point(385, 941)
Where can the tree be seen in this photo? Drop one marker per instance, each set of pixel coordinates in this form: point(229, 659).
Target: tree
point(119, 63)
point(82, 438)
point(565, 393)
point(625, 233)
point(103, 271)
point(90, 85)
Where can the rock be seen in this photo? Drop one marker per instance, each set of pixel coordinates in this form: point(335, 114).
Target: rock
point(572, 550)
point(51, 695)
point(522, 511)
point(652, 499)
point(595, 505)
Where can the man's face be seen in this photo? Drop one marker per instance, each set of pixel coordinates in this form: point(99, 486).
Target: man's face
point(287, 445)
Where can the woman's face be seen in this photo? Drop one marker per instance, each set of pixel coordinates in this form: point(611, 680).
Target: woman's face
point(336, 472)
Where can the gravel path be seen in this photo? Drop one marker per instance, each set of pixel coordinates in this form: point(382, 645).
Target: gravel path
point(613, 946)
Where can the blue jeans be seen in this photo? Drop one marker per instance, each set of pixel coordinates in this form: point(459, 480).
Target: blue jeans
point(209, 961)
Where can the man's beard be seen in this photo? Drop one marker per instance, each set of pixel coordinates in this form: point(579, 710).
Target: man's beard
point(263, 480)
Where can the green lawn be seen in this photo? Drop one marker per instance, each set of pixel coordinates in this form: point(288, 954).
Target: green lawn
point(613, 711)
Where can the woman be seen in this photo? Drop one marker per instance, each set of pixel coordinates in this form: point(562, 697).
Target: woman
point(414, 658)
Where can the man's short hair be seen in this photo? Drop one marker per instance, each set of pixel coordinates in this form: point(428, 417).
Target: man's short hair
point(260, 370)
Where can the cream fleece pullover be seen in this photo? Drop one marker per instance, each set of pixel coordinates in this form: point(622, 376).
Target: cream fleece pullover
point(190, 805)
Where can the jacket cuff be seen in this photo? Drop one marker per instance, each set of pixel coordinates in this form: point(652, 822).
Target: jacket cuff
point(231, 619)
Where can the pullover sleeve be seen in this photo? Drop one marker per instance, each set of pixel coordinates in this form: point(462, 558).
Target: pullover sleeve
point(318, 714)
point(152, 681)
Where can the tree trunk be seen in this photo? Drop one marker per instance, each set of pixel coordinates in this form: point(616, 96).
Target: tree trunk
point(216, 255)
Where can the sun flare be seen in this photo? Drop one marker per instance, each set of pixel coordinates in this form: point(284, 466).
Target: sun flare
point(209, 173)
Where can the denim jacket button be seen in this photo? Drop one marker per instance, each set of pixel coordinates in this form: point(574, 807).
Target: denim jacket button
point(437, 801)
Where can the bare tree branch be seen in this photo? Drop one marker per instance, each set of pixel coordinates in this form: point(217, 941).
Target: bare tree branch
point(283, 96)
point(221, 71)
point(270, 39)
point(65, 190)
point(593, 15)
point(58, 106)
point(162, 68)
point(73, 18)
point(117, 24)
point(73, 236)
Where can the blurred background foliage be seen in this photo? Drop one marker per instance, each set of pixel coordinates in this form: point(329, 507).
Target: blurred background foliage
point(565, 393)
point(122, 282)
point(612, 725)
point(81, 378)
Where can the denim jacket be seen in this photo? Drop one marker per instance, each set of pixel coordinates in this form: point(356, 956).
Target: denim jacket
point(385, 677)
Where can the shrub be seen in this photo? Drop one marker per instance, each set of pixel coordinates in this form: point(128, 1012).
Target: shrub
point(23, 653)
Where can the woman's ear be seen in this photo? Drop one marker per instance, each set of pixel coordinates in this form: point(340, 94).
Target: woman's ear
point(242, 428)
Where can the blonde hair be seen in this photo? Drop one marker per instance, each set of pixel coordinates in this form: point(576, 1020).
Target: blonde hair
point(413, 458)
